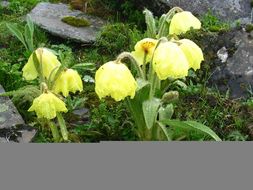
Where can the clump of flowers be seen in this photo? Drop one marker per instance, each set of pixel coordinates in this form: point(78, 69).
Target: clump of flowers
point(54, 79)
point(159, 60)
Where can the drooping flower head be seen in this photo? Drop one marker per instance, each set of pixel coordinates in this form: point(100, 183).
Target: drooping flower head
point(68, 81)
point(48, 63)
point(46, 106)
point(170, 61)
point(192, 52)
point(115, 80)
point(145, 46)
point(182, 22)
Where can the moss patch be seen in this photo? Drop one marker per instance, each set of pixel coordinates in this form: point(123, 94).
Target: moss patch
point(74, 21)
point(249, 28)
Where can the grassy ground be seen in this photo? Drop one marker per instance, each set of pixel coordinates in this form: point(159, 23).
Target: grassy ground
point(231, 119)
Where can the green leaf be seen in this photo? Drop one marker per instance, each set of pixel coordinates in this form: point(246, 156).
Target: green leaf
point(150, 111)
point(30, 24)
point(16, 32)
point(36, 62)
point(135, 107)
point(166, 112)
point(163, 26)
point(141, 83)
point(29, 32)
point(151, 25)
point(28, 38)
point(180, 84)
point(84, 67)
point(191, 125)
point(164, 130)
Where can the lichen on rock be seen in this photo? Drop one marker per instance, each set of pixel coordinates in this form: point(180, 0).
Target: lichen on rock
point(75, 21)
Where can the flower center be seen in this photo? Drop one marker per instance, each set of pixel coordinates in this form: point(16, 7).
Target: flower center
point(146, 46)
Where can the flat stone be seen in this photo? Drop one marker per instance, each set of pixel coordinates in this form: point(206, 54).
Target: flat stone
point(4, 4)
point(229, 10)
point(48, 16)
point(236, 75)
point(12, 126)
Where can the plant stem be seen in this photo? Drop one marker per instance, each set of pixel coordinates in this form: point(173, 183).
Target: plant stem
point(54, 131)
point(168, 16)
point(62, 124)
point(133, 61)
point(152, 74)
point(144, 66)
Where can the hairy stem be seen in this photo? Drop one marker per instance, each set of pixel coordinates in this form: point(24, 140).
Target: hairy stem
point(133, 61)
point(62, 125)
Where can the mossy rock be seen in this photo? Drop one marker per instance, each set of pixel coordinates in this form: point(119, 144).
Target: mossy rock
point(77, 22)
point(249, 28)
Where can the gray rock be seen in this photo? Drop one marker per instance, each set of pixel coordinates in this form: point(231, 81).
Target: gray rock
point(12, 126)
point(4, 4)
point(48, 16)
point(236, 75)
point(229, 10)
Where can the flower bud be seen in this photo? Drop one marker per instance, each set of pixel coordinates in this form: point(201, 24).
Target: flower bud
point(170, 97)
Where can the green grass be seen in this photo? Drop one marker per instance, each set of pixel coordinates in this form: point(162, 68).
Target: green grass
point(226, 117)
point(212, 23)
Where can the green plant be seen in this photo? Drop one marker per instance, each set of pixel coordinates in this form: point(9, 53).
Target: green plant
point(26, 36)
point(54, 78)
point(127, 10)
point(21, 7)
point(116, 37)
point(150, 104)
point(213, 23)
point(107, 122)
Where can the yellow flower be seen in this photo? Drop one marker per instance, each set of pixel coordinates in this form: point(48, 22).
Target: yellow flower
point(192, 52)
point(147, 46)
point(115, 80)
point(46, 106)
point(182, 22)
point(170, 61)
point(68, 81)
point(49, 62)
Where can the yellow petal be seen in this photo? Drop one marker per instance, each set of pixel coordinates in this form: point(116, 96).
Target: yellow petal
point(45, 57)
point(183, 22)
point(68, 81)
point(147, 46)
point(49, 62)
point(170, 61)
point(29, 70)
point(115, 80)
point(192, 52)
point(46, 106)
